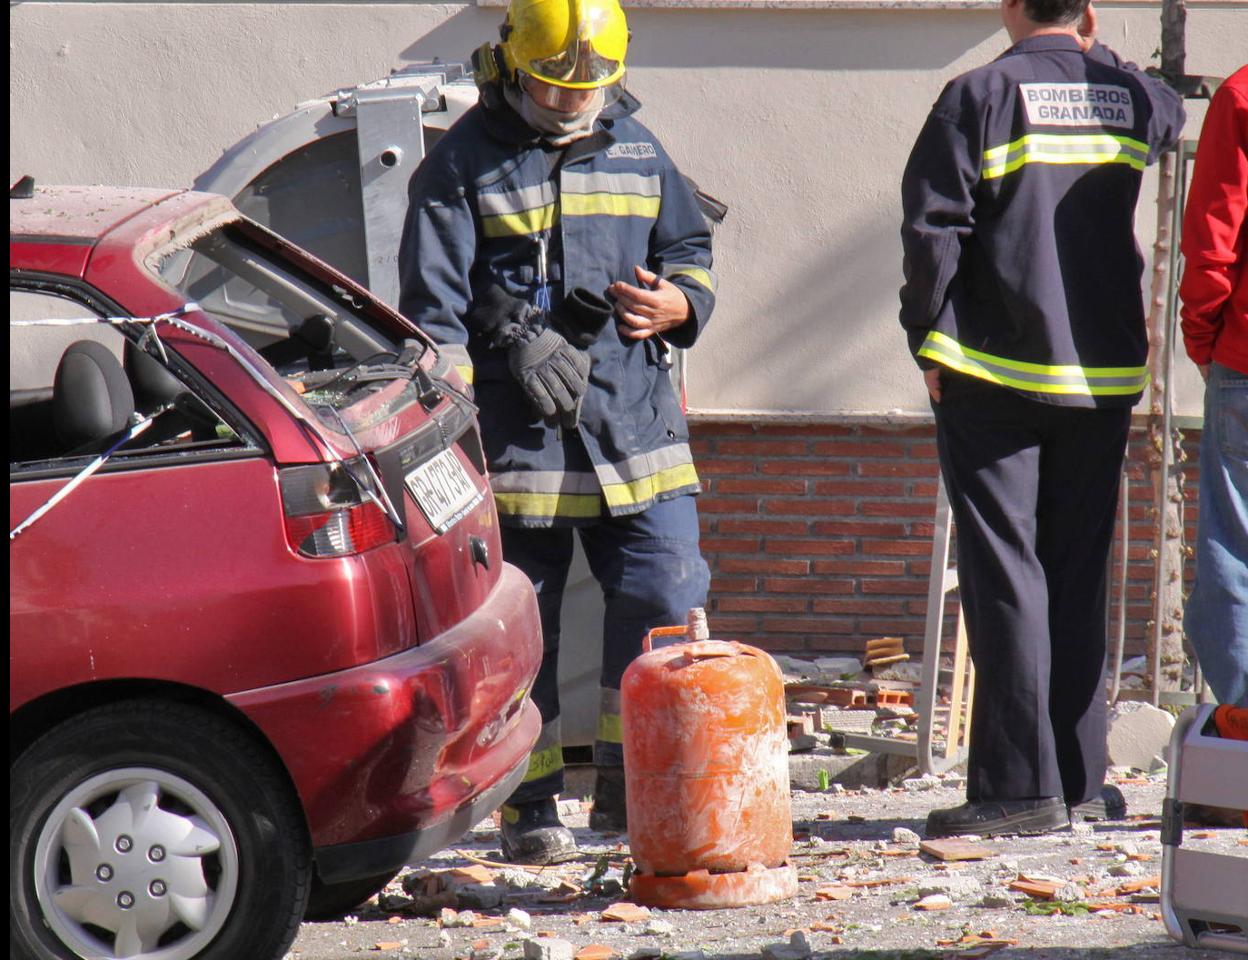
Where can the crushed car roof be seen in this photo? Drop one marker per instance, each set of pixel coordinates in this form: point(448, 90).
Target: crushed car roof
point(79, 213)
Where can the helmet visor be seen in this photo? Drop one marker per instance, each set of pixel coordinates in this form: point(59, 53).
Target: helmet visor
point(568, 100)
point(579, 63)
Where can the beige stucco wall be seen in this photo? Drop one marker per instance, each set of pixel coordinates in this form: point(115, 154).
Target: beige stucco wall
point(800, 119)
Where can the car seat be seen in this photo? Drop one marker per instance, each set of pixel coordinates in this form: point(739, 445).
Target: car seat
point(158, 393)
point(92, 403)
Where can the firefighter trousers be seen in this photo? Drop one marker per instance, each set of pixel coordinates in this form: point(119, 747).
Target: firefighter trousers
point(1034, 489)
point(651, 571)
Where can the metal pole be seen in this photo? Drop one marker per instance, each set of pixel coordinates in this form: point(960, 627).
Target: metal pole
point(1124, 501)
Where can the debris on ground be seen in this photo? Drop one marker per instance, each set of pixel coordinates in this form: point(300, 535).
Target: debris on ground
point(868, 884)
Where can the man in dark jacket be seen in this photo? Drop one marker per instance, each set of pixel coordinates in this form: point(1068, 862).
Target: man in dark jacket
point(1023, 309)
point(554, 251)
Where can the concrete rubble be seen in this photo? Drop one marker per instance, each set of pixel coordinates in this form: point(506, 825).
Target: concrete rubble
point(830, 698)
point(1139, 734)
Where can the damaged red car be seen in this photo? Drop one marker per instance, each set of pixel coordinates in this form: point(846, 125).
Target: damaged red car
point(263, 648)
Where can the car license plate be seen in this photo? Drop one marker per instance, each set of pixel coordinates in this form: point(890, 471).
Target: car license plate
point(443, 490)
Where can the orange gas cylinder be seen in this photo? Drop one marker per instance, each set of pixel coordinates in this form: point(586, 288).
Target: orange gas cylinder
point(707, 774)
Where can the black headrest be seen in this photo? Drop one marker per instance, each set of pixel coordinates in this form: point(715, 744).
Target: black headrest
point(154, 386)
point(91, 397)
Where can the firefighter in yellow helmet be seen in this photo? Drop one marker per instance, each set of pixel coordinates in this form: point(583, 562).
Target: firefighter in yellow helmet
point(561, 62)
point(553, 251)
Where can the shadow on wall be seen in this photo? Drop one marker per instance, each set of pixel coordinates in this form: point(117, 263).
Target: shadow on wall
point(757, 39)
point(834, 315)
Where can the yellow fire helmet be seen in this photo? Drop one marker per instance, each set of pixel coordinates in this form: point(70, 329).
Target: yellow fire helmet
point(575, 44)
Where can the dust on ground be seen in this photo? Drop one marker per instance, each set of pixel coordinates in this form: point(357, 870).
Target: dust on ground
point(865, 890)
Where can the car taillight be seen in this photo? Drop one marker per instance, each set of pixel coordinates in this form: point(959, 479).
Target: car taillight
point(329, 514)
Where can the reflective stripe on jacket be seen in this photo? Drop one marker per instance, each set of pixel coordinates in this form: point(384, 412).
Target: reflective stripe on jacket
point(1021, 264)
point(482, 204)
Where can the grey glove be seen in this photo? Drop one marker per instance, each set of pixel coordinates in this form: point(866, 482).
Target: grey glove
point(553, 374)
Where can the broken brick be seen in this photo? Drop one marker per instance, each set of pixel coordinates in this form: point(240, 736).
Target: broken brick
point(1135, 886)
point(936, 901)
point(1037, 889)
point(834, 892)
point(595, 951)
point(981, 950)
point(625, 912)
point(954, 849)
point(893, 698)
point(800, 724)
point(475, 873)
point(878, 882)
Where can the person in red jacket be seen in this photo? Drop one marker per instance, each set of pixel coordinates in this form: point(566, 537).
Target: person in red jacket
point(1214, 292)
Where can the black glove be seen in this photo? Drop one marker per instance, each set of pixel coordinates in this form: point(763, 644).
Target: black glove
point(553, 373)
point(495, 310)
point(581, 317)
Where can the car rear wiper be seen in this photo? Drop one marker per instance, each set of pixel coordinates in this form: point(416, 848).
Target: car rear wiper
point(380, 496)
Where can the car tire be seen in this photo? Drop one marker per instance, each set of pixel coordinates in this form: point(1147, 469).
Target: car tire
point(155, 826)
point(331, 900)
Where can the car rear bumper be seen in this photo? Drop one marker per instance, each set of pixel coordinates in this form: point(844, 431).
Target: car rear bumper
point(372, 858)
point(397, 757)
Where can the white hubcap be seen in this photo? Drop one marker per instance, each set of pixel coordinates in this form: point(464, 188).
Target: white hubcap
point(136, 863)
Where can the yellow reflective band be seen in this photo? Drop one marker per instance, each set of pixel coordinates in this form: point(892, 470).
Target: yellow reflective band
point(548, 504)
point(1035, 377)
point(610, 205)
point(704, 277)
point(1055, 148)
point(544, 762)
point(524, 223)
point(610, 728)
point(465, 372)
point(647, 488)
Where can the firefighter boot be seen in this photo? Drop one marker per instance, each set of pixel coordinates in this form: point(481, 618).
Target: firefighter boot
point(532, 833)
point(610, 813)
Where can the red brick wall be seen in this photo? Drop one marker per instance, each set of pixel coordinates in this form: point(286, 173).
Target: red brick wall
point(819, 535)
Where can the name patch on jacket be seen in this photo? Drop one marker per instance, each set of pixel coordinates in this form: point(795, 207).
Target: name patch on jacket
point(631, 151)
point(1078, 104)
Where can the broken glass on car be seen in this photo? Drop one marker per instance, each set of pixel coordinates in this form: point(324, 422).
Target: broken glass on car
point(347, 366)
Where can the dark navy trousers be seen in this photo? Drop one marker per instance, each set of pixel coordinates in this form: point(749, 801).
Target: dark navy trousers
point(651, 571)
point(1034, 489)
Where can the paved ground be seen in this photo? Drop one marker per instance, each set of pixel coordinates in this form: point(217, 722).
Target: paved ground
point(847, 846)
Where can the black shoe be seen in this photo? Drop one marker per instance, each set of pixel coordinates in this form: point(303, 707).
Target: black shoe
point(532, 833)
point(1110, 805)
point(995, 818)
point(610, 812)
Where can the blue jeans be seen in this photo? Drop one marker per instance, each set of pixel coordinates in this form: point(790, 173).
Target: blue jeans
point(651, 571)
point(1216, 617)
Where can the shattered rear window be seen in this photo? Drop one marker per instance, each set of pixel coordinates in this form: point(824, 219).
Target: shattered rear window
point(316, 335)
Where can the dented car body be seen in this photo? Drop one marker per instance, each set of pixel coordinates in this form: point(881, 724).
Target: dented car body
point(248, 507)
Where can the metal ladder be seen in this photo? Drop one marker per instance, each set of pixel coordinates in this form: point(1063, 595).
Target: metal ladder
point(934, 756)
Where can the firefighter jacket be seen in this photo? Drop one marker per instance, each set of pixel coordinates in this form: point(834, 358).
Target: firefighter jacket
point(1021, 265)
point(485, 203)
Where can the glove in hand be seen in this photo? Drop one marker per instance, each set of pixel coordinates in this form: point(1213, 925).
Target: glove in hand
point(553, 374)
